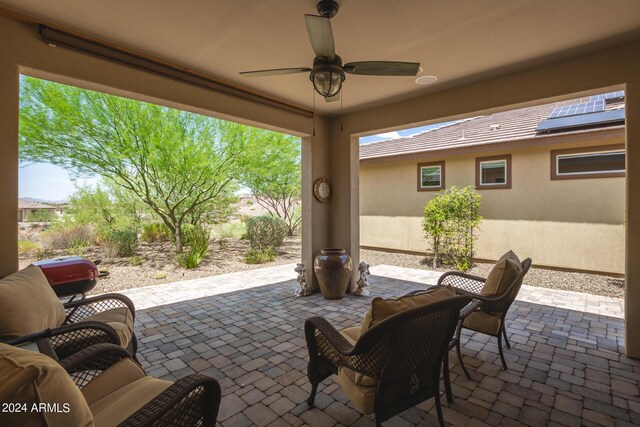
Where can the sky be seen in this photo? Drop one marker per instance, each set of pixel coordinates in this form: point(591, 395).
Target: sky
point(53, 183)
point(48, 182)
point(400, 133)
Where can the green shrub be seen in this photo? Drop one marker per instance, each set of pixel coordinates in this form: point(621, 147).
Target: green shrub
point(69, 237)
point(197, 239)
point(265, 231)
point(223, 244)
point(77, 250)
point(156, 232)
point(159, 276)
point(258, 256)
point(228, 230)
point(135, 260)
point(44, 253)
point(41, 215)
point(27, 246)
point(450, 221)
point(121, 243)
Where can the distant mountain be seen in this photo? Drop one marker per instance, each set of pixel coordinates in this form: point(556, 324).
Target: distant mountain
point(46, 202)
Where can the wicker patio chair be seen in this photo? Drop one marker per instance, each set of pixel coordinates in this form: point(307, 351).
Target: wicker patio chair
point(490, 306)
point(30, 310)
point(391, 367)
point(102, 386)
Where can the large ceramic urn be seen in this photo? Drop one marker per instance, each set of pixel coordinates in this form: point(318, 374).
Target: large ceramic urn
point(333, 269)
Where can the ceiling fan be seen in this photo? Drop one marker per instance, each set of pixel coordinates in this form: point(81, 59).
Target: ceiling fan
point(328, 73)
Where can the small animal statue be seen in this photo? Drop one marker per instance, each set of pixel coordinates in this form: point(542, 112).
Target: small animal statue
point(302, 290)
point(362, 282)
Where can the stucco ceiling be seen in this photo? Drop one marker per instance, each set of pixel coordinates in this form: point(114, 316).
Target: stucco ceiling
point(458, 41)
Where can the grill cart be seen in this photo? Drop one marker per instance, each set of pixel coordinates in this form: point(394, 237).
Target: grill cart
point(69, 276)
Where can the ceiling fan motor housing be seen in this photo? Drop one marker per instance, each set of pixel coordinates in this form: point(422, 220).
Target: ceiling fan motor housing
point(327, 8)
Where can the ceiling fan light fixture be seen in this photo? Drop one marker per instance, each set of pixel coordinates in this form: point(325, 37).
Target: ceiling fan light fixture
point(327, 79)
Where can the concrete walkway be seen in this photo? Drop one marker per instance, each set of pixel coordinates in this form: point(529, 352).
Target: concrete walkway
point(169, 293)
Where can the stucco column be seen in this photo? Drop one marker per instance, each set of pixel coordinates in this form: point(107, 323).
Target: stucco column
point(316, 216)
point(345, 205)
point(9, 107)
point(632, 297)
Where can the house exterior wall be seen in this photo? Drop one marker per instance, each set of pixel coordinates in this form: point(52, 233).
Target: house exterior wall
point(575, 224)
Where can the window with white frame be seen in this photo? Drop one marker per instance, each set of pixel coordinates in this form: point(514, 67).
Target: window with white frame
point(588, 162)
point(493, 172)
point(430, 176)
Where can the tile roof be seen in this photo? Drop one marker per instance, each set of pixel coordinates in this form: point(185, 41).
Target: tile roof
point(506, 126)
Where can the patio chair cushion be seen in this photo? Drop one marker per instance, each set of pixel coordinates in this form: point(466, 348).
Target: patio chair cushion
point(31, 378)
point(115, 377)
point(501, 276)
point(120, 391)
point(483, 322)
point(352, 334)
point(120, 319)
point(363, 397)
point(383, 308)
point(28, 304)
point(512, 256)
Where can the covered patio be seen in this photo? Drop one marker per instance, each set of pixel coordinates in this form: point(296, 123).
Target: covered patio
point(246, 330)
point(569, 365)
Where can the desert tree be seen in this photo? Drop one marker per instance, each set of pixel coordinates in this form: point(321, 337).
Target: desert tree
point(178, 163)
point(271, 170)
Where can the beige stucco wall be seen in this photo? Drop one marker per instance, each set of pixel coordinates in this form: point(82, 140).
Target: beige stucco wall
point(574, 223)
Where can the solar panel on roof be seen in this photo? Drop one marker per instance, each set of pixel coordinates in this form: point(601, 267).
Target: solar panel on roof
point(608, 97)
point(576, 109)
point(582, 121)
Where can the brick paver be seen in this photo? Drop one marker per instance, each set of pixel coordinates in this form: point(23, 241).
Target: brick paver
point(566, 364)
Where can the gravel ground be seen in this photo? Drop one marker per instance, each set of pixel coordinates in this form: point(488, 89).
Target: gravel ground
point(595, 284)
point(158, 266)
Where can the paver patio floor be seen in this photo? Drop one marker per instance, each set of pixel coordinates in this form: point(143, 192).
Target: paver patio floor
point(246, 330)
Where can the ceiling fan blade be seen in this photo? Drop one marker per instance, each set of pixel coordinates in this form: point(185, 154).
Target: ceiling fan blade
point(382, 68)
point(275, 72)
point(321, 36)
point(333, 98)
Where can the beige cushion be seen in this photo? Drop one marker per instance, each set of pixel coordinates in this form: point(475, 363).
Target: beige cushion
point(115, 377)
point(352, 334)
point(126, 390)
point(28, 304)
point(483, 322)
point(501, 277)
point(32, 378)
point(363, 397)
point(119, 319)
point(382, 309)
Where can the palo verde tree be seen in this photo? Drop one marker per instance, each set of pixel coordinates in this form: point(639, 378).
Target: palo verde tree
point(178, 163)
point(271, 170)
point(450, 220)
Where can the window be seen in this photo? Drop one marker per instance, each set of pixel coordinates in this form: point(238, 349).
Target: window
point(430, 176)
point(588, 162)
point(493, 172)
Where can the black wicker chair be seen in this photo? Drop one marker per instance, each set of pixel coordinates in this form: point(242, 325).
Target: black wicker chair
point(402, 354)
point(493, 309)
point(192, 400)
point(31, 311)
point(75, 333)
point(104, 386)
